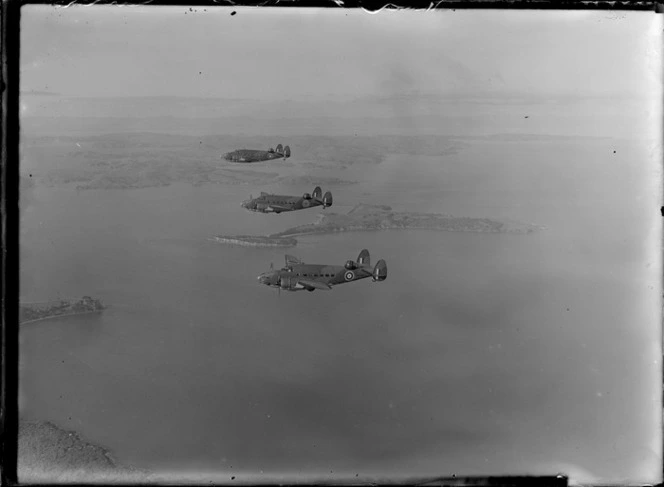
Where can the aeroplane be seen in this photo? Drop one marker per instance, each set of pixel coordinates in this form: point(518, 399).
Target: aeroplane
point(274, 203)
point(298, 276)
point(254, 155)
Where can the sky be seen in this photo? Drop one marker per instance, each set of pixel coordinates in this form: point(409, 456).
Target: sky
point(285, 53)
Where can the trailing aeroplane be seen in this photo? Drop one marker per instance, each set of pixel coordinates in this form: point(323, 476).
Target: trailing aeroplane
point(253, 155)
point(298, 276)
point(274, 203)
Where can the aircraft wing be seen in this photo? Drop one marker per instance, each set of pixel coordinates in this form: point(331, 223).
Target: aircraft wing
point(314, 284)
point(278, 208)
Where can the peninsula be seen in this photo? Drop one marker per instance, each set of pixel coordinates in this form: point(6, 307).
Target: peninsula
point(365, 217)
point(31, 312)
point(255, 241)
point(50, 454)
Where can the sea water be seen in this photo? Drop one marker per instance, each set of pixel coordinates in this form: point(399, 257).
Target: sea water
point(480, 353)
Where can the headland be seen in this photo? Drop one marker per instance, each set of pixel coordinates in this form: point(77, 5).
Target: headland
point(31, 312)
point(48, 454)
point(255, 241)
point(364, 217)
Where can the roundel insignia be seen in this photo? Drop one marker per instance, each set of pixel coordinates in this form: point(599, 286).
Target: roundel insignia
point(349, 276)
point(305, 203)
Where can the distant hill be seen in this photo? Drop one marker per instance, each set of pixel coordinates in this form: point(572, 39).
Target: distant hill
point(403, 114)
point(139, 160)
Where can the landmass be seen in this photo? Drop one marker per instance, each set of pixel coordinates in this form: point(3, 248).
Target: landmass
point(31, 312)
point(364, 217)
point(255, 241)
point(48, 454)
point(144, 160)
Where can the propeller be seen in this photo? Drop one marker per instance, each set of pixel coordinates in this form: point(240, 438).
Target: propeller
point(279, 282)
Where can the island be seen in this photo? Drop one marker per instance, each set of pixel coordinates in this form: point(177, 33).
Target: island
point(364, 217)
point(31, 312)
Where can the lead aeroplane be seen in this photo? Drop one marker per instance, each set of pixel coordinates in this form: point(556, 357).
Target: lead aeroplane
point(274, 203)
point(298, 276)
point(254, 155)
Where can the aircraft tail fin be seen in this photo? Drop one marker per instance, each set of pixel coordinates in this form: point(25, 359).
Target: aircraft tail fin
point(317, 192)
point(363, 258)
point(327, 200)
point(380, 271)
point(292, 260)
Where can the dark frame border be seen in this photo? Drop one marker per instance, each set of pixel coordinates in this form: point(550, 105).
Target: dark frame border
point(9, 182)
point(9, 186)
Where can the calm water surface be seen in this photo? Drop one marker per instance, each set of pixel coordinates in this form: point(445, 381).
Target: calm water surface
point(479, 354)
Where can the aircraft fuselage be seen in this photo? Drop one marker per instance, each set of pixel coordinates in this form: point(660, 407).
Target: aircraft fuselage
point(289, 277)
point(275, 203)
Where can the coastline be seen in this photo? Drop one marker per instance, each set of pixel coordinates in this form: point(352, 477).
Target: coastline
point(255, 241)
point(363, 218)
point(33, 312)
point(59, 316)
point(48, 453)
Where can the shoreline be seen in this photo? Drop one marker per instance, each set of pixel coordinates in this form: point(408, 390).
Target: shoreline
point(33, 312)
point(48, 453)
point(255, 241)
point(60, 316)
point(364, 218)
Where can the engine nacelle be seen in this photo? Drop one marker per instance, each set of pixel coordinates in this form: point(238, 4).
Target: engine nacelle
point(380, 271)
point(285, 283)
point(306, 196)
point(350, 265)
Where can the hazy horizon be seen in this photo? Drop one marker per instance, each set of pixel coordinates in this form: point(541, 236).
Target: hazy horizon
point(458, 52)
